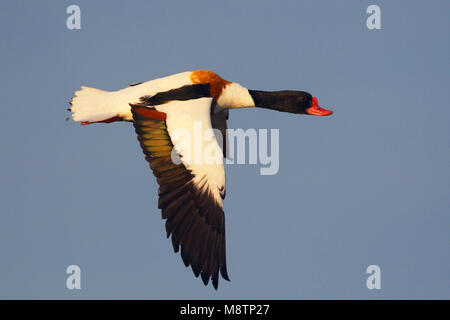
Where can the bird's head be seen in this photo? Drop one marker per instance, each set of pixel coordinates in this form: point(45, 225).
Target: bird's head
point(292, 101)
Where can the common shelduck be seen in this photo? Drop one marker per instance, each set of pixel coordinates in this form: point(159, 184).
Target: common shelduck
point(190, 193)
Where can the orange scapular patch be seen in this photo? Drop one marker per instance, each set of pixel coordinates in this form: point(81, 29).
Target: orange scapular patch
point(216, 83)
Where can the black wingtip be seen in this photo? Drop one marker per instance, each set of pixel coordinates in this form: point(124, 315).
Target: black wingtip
point(184, 256)
point(215, 281)
point(176, 246)
point(224, 273)
point(196, 270)
point(205, 277)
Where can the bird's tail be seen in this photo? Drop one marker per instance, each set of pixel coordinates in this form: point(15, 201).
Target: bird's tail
point(91, 105)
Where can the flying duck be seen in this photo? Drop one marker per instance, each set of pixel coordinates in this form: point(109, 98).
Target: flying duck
point(190, 193)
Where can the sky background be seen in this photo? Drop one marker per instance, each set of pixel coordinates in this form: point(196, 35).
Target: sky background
point(368, 185)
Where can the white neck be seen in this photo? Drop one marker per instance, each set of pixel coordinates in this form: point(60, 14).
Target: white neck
point(235, 96)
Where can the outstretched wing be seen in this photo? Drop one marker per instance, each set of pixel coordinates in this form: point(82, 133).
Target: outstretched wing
point(190, 192)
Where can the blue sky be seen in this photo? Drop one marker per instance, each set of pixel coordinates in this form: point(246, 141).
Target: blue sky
point(368, 185)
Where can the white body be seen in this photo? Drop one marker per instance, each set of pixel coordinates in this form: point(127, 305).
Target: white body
point(91, 104)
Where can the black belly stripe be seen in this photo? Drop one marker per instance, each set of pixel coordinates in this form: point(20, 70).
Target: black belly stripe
point(184, 93)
